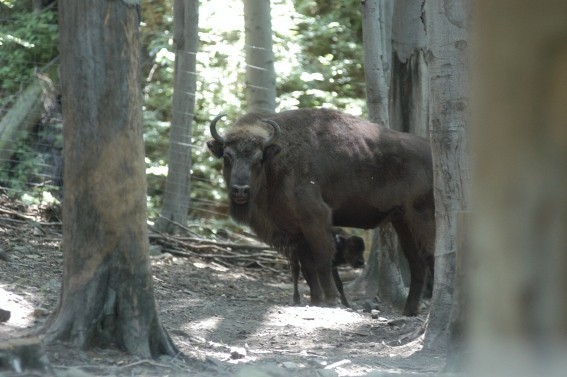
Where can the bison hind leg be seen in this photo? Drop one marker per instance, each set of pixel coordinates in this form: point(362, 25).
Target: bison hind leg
point(294, 266)
point(317, 257)
point(416, 265)
point(301, 254)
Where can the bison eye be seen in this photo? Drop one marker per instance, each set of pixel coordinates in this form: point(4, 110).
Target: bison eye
point(227, 160)
point(258, 158)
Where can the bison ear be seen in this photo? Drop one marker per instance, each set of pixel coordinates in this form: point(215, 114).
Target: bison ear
point(340, 240)
point(270, 151)
point(216, 148)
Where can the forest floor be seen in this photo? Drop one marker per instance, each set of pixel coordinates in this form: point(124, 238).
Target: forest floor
point(226, 318)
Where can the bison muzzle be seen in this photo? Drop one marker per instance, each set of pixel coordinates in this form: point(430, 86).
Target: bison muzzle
point(293, 175)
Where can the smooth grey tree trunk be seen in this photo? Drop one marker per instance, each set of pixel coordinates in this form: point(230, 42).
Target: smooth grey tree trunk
point(260, 73)
point(409, 84)
point(518, 309)
point(382, 275)
point(397, 78)
point(409, 87)
point(107, 296)
point(178, 184)
point(448, 33)
point(375, 20)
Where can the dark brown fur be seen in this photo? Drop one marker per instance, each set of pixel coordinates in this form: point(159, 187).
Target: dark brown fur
point(350, 250)
point(329, 169)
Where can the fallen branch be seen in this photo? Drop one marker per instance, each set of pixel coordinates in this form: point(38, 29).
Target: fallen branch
point(223, 256)
point(226, 254)
point(16, 214)
point(190, 241)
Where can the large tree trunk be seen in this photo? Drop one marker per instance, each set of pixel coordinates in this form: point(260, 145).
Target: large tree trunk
point(409, 87)
point(107, 292)
point(447, 28)
point(260, 73)
point(177, 186)
point(409, 83)
point(382, 275)
point(519, 232)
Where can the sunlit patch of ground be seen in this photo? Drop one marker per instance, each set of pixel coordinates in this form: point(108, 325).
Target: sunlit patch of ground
point(312, 318)
point(21, 312)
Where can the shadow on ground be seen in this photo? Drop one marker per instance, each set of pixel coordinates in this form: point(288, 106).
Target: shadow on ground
point(227, 321)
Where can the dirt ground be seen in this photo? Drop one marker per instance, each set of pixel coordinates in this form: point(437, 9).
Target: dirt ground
point(226, 319)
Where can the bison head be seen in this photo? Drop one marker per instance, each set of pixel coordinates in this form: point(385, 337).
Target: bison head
point(350, 249)
point(245, 149)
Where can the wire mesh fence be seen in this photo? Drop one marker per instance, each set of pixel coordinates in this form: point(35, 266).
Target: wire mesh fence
point(31, 132)
point(31, 128)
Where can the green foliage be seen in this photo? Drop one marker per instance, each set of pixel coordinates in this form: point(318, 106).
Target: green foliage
point(318, 62)
point(28, 40)
point(23, 177)
point(330, 36)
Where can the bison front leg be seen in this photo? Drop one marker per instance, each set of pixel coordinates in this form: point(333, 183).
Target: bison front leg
point(309, 270)
point(320, 266)
point(317, 261)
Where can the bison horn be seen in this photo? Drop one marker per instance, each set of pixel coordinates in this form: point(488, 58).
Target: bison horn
point(213, 128)
point(276, 133)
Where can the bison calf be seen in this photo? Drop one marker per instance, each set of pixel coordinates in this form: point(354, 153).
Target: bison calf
point(349, 250)
point(293, 175)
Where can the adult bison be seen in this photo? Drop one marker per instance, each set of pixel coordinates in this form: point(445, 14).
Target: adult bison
point(293, 175)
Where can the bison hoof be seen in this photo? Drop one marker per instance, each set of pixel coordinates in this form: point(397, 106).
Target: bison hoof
point(331, 302)
point(316, 302)
point(410, 312)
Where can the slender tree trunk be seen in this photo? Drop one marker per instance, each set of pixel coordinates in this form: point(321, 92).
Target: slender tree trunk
point(178, 183)
point(107, 293)
point(24, 115)
point(260, 73)
point(519, 233)
point(448, 31)
point(409, 84)
point(375, 20)
point(382, 275)
point(409, 88)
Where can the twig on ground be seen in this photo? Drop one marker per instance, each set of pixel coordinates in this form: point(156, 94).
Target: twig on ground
point(16, 214)
point(145, 361)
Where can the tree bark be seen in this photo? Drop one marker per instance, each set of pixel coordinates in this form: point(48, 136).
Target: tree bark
point(260, 73)
point(447, 29)
point(375, 20)
point(519, 239)
point(107, 293)
point(409, 84)
point(177, 186)
point(409, 88)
